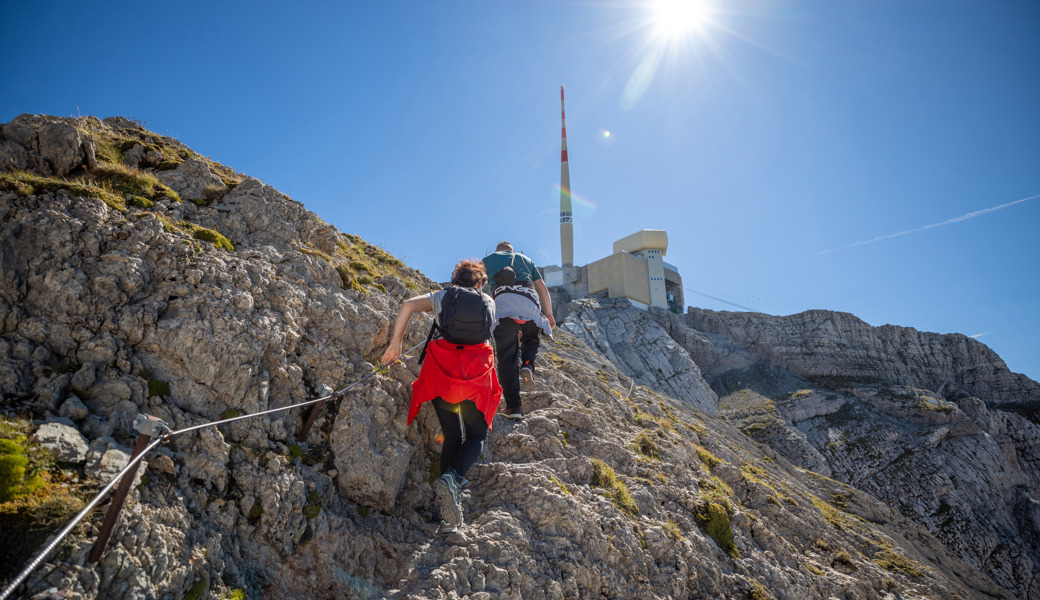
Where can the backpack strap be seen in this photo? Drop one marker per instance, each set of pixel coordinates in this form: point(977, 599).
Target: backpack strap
point(449, 311)
point(429, 338)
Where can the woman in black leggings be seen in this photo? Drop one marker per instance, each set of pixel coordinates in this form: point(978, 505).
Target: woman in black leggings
point(457, 376)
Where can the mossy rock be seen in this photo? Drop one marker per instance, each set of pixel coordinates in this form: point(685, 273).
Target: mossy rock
point(158, 388)
point(714, 519)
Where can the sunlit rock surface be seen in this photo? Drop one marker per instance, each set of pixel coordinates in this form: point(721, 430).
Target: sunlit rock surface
point(706, 455)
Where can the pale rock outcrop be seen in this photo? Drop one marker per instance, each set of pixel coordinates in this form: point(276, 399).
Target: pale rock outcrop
point(52, 146)
point(106, 459)
point(631, 339)
point(65, 441)
point(192, 180)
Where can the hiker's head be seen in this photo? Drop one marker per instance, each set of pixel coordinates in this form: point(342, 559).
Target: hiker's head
point(504, 246)
point(469, 273)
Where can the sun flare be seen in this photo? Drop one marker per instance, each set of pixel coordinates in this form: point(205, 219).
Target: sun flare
point(677, 18)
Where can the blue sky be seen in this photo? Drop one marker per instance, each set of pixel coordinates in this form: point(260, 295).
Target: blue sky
point(782, 144)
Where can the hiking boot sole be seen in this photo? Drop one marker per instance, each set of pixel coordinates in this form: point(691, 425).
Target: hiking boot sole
point(513, 416)
point(450, 511)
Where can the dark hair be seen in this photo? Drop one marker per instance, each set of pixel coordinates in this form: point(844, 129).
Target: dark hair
point(469, 273)
point(503, 245)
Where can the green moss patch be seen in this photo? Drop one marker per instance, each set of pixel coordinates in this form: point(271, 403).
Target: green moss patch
point(256, 511)
point(158, 388)
point(37, 497)
point(207, 235)
point(196, 590)
point(714, 519)
point(313, 506)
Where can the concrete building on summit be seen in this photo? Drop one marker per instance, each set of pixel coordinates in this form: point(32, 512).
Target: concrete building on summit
point(636, 270)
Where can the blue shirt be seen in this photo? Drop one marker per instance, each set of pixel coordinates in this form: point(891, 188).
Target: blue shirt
point(524, 267)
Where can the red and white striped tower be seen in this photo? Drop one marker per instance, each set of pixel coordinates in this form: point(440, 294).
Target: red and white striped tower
point(566, 217)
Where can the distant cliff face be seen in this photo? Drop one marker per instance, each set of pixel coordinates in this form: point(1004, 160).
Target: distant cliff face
point(662, 456)
point(820, 343)
point(928, 423)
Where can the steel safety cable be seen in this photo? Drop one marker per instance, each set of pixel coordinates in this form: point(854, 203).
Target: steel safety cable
point(35, 562)
point(305, 403)
point(134, 461)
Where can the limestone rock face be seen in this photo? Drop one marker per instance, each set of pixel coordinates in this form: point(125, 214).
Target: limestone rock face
point(636, 343)
point(833, 395)
point(820, 343)
point(661, 456)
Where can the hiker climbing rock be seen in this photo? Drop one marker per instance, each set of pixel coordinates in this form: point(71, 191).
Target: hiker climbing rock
point(457, 376)
point(524, 310)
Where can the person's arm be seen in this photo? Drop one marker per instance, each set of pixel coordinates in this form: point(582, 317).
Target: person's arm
point(543, 296)
point(409, 306)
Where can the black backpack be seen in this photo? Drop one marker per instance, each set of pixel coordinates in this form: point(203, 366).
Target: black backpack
point(464, 318)
point(506, 275)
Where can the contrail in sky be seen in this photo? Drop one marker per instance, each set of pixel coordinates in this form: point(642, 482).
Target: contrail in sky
point(963, 217)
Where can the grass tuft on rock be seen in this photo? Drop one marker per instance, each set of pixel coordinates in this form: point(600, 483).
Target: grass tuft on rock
point(896, 563)
point(603, 476)
point(710, 460)
point(27, 184)
point(645, 444)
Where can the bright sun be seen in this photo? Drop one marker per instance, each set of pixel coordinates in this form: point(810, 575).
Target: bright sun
point(677, 18)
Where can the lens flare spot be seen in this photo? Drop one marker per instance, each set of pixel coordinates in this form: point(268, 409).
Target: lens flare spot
point(576, 199)
point(439, 439)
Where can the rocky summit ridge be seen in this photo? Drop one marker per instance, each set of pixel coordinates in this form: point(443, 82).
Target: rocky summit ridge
point(702, 455)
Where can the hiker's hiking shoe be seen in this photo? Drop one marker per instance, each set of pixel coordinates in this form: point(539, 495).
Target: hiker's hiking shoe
point(449, 500)
point(513, 414)
point(527, 376)
point(446, 527)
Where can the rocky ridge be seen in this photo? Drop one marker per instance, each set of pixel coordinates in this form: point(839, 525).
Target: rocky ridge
point(663, 456)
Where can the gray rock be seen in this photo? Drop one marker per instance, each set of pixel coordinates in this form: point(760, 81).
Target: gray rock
point(60, 147)
point(106, 459)
point(12, 156)
point(134, 156)
point(23, 130)
point(632, 340)
point(83, 379)
point(74, 409)
point(193, 180)
point(66, 442)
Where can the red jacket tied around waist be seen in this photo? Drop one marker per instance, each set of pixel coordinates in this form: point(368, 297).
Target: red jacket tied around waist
point(455, 373)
